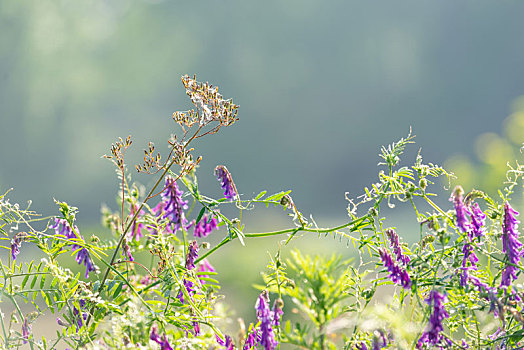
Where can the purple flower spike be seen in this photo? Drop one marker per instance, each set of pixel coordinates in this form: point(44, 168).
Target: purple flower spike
point(82, 257)
point(154, 336)
point(204, 266)
point(227, 343)
point(189, 286)
point(226, 182)
point(432, 334)
point(478, 220)
point(394, 241)
point(196, 328)
point(397, 274)
point(277, 311)
point(460, 209)
point(16, 243)
point(78, 315)
point(252, 340)
point(380, 341)
point(173, 204)
point(62, 227)
point(26, 330)
point(469, 255)
point(265, 316)
point(205, 226)
point(362, 346)
point(192, 254)
point(510, 244)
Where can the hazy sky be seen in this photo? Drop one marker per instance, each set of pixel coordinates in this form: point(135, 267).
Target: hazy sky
point(321, 86)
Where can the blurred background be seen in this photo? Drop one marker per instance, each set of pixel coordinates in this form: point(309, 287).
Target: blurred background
point(321, 86)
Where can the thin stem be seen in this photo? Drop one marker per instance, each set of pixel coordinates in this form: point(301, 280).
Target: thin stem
point(289, 230)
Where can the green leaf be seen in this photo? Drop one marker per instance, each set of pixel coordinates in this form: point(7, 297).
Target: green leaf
point(277, 196)
point(200, 214)
point(25, 281)
point(287, 326)
point(118, 290)
point(42, 281)
point(33, 282)
point(261, 194)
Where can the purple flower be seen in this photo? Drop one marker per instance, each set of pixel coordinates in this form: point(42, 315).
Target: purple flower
point(277, 311)
point(469, 255)
point(205, 226)
point(397, 274)
point(26, 330)
point(196, 328)
point(61, 323)
point(190, 288)
point(395, 245)
point(495, 305)
point(136, 227)
point(154, 336)
point(265, 316)
point(78, 315)
point(192, 254)
point(227, 343)
point(510, 244)
point(432, 334)
point(380, 341)
point(204, 266)
point(460, 209)
point(252, 339)
point(362, 346)
point(226, 181)
point(16, 243)
point(146, 280)
point(173, 204)
point(478, 220)
point(82, 257)
point(478, 283)
point(62, 227)
point(497, 333)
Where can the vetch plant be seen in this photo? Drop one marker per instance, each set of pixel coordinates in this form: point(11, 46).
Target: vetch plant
point(152, 284)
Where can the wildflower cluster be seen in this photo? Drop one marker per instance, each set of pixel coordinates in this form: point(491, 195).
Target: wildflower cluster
point(457, 286)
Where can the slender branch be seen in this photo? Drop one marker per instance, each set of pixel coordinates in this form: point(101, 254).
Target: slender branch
point(280, 232)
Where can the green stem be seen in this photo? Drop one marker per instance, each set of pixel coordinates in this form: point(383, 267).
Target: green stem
point(280, 232)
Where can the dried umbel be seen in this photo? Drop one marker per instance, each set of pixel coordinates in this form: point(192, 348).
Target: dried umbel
point(118, 150)
point(210, 106)
point(211, 110)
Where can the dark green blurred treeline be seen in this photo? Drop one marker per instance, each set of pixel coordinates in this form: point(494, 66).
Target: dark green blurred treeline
point(321, 85)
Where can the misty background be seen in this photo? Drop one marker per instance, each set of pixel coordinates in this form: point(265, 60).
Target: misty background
point(321, 86)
